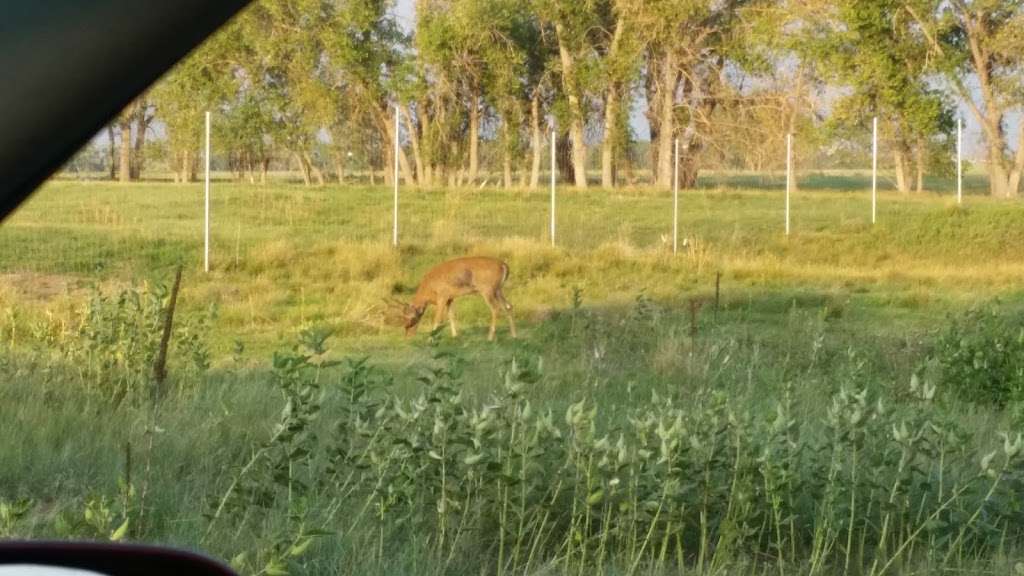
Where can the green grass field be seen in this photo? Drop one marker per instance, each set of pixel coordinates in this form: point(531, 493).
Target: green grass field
point(383, 458)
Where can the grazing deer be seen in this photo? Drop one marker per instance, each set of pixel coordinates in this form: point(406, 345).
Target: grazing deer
point(452, 279)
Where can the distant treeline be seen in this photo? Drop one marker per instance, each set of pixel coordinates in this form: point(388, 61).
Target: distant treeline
point(478, 85)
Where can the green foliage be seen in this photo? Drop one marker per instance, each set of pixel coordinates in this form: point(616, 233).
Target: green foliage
point(112, 341)
point(981, 356)
point(867, 479)
point(279, 473)
point(96, 520)
point(12, 512)
point(882, 58)
point(501, 485)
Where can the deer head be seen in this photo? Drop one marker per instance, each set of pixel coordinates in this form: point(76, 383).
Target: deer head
point(411, 315)
point(408, 315)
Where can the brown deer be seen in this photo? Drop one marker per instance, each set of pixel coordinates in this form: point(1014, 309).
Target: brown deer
point(452, 279)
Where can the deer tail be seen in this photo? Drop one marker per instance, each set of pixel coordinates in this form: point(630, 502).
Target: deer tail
point(504, 272)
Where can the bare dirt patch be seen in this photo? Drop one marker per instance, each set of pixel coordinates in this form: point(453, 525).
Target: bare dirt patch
point(39, 286)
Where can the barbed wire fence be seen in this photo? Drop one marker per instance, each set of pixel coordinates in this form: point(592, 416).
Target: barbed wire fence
point(78, 225)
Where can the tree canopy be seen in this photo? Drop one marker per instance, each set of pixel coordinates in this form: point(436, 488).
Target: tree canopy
point(317, 82)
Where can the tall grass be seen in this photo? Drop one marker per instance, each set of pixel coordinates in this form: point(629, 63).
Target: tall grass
point(327, 466)
point(809, 420)
point(880, 482)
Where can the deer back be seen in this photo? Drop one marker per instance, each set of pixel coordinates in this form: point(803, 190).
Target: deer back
point(459, 277)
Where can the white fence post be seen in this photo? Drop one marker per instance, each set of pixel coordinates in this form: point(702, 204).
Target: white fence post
point(394, 231)
point(553, 174)
point(874, 169)
point(675, 200)
point(789, 175)
point(959, 161)
point(206, 222)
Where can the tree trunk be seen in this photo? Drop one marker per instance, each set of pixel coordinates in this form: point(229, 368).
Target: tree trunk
point(575, 102)
point(439, 172)
point(474, 137)
point(579, 153)
point(182, 166)
point(919, 160)
point(304, 167)
point(388, 170)
point(902, 169)
point(264, 168)
point(192, 164)
point(653, 111)
point(339, 167)
point(387, 130)
point(318, 174)
point(536, 141)
point(611, 124)
point(506, 154)
point(1013, 183)
point(563, 157)
point(999, 181)
point(1004, 175)
point(611, 111)
point(666, 129)
point(125, 168)
point(141, 126)
point(1001, 173)
point(414, 139)
point(688, 172)
point(113, 151)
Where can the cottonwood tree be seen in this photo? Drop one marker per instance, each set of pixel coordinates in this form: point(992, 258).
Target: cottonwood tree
point(512, 49)
point(279, 63)
point(619, 63)
point(127, 134)
point(877, 54)
point(978, 45)
point(445, 96)
point(690, 44)
point(181, 99)
point(365, 60)
point(574, 25)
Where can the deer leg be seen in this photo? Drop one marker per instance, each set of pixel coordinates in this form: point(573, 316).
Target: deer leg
point(508, 310)
point(440, 309)
point(451, 319)
point(493, 305)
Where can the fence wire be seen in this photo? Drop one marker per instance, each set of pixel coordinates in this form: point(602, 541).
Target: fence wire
point(79, 224)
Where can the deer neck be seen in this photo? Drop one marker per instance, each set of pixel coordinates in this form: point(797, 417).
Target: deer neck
point(422, 298)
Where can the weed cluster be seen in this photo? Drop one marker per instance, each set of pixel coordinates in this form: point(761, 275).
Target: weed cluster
point(501, 486)
point(112, 340)
point(981, 355)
